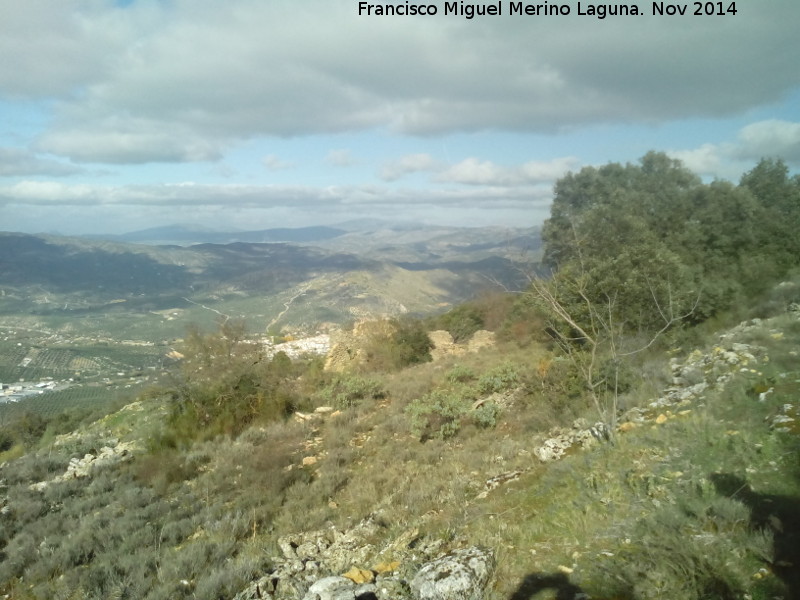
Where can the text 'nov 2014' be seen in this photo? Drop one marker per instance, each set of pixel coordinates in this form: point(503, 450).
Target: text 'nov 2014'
point(467, 10)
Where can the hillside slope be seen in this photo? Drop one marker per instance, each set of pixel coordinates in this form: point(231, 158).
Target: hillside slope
point(694, 496)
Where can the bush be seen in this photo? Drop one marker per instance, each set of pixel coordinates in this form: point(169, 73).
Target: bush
point(462, 322)
point(460, 374)
point(525, 323)
point(227, 384)
point(347, 391)
point(437, 414)
point(485, 416)
point(390, 346)
point(498, 379)
point(412, 342)
point(6, 439)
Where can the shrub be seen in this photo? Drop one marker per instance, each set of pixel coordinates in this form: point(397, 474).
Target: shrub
point(413, 346)
point(397, 344)
point(460, 374)
point(462, 321)
point(437, 414)
point(525, 323)
point(6, 439)
point(498, 379)
point(347, 391)
point(485, 416)
point(227, 384)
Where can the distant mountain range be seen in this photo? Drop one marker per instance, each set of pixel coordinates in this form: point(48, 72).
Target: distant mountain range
point(327, 275)
point(185, 235)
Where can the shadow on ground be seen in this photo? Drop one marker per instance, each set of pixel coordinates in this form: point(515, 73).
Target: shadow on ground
point(539, 582)
point(779, 514)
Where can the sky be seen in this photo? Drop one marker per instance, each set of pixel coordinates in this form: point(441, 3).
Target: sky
point(120, 115)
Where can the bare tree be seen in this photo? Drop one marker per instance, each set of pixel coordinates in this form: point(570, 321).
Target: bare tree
point(597, 336)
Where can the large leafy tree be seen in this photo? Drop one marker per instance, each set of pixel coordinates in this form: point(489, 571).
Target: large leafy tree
point(636, 249)
point(778, 197)
point(651, 232)
point(614, 228)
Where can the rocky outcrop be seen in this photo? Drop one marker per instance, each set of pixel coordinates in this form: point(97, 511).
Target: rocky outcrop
point(564, 440)
point(339, 588)
point(712, 370)
point(444, 346)
point(481, 339)
point(347, 565)
point(701, 371)
point(347, 347)
point(80, 468)
point(691, 378)
point(461, 575)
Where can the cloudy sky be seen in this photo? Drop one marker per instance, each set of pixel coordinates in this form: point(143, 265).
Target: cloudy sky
point(128, 114)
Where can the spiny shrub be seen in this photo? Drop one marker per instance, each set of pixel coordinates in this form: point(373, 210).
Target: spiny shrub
point(228, 383)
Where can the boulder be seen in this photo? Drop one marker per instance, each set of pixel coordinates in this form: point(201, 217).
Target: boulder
point(461, 575)
point(332, 565)
point(332, 588)
point(481, 339)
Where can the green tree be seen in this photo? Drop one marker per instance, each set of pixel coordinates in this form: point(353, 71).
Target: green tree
point(411, 342)
point(228, 382)
point(778, 198)
point(636, 232)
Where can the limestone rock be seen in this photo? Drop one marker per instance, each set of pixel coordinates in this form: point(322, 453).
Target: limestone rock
point(392, 588)
point(460, 575)
point(347, 348)
point(386, 567)
point(342, 588)
point(481, 339)
point(312, 562)
point(580, 436)
point(81, 468)
point(444, 346)
point(552, 449)
point(332, 588)
point(357, 575)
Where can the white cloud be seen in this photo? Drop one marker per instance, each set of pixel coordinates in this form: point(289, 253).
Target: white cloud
point(182, 80)
point(705, 160)
point(729, 160)
point(472, 171)
point(54, 48)
point(411, 163)
point(125, 140)
point(772, 138)
point(239, 196)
